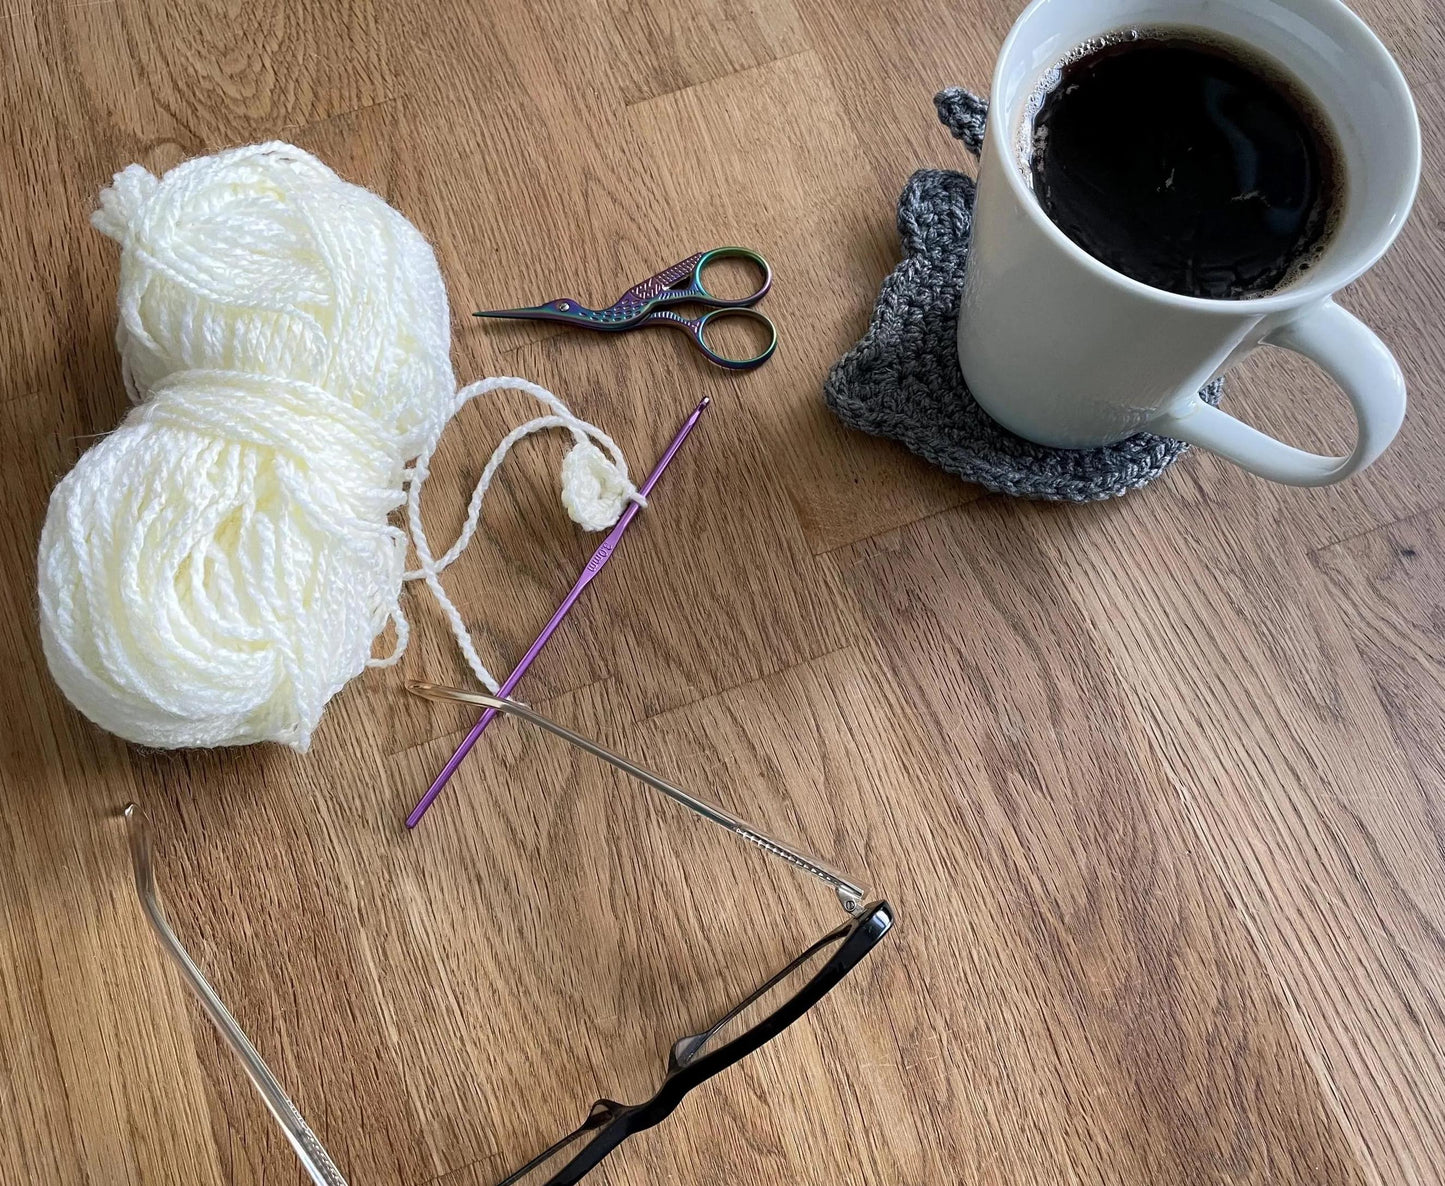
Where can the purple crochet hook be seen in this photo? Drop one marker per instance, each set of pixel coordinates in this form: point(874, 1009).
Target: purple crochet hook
point(594, 566)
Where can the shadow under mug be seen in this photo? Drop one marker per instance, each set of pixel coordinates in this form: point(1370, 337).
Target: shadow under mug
point(1063, 350)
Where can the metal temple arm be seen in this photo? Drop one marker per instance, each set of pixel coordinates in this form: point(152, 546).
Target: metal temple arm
point(850, 894)
point(314, 1158)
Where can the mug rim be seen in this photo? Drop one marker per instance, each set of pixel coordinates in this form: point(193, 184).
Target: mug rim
point(1287, 298)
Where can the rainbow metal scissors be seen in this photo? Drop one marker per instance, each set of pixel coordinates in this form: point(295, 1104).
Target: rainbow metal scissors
point(648, 304)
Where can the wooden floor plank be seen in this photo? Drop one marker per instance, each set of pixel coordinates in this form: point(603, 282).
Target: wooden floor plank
point(1239, 659)
point(886, 62)
point(1398, 569)
point(1149, 986)
point(670, 47)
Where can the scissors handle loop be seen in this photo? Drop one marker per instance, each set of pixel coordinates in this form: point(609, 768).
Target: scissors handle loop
point(697, 327)
point(699, 330)
point(699, 290)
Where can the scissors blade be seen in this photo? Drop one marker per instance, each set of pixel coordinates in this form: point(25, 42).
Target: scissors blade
point(568, 312)
point(526, 313)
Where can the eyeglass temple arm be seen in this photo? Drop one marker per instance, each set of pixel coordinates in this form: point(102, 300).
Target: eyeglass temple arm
point(312, 1153)
point(850, 894)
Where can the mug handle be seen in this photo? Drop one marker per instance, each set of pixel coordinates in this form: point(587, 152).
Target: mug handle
point(1350, 353)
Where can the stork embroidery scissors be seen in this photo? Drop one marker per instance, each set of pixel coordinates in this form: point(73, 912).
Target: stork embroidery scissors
point(649, 303)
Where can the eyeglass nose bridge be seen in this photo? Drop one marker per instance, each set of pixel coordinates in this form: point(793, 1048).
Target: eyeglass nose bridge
point(604, 1111)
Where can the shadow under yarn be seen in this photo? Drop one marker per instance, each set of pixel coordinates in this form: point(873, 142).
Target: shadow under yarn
point(902, 379)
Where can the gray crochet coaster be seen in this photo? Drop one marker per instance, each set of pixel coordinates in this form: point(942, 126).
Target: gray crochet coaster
point(902, 379)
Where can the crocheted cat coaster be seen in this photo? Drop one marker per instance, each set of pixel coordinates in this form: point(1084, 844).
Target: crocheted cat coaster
point(902, 379)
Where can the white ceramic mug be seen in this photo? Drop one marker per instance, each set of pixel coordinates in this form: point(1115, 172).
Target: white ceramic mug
point(1064, 350)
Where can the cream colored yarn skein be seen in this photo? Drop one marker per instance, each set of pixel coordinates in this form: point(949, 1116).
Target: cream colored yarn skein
point(213, 571)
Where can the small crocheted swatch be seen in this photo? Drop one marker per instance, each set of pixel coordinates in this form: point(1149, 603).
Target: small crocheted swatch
point(902, 379)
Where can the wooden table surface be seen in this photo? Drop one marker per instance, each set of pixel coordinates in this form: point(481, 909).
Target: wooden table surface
point(1154, 785)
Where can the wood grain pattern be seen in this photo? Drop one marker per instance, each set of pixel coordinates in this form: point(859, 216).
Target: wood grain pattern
point(1155, 785)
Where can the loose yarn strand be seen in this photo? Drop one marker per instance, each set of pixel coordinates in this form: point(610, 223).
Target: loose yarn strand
point(596, 506)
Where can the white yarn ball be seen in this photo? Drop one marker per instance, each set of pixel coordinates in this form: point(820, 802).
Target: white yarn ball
point(217, 568)
point(214, 570)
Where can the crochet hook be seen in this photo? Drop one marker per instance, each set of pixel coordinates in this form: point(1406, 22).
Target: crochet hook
point(594, 566)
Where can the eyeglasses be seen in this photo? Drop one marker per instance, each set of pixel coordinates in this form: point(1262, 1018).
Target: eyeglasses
point(692, 1060)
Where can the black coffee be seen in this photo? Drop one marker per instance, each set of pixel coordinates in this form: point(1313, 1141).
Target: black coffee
point(1187, 164)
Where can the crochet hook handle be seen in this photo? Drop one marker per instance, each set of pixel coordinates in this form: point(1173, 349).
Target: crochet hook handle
point(594, 566)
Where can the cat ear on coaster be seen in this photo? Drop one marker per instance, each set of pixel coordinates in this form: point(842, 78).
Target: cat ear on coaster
point(935, 213)
point(963, 113)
